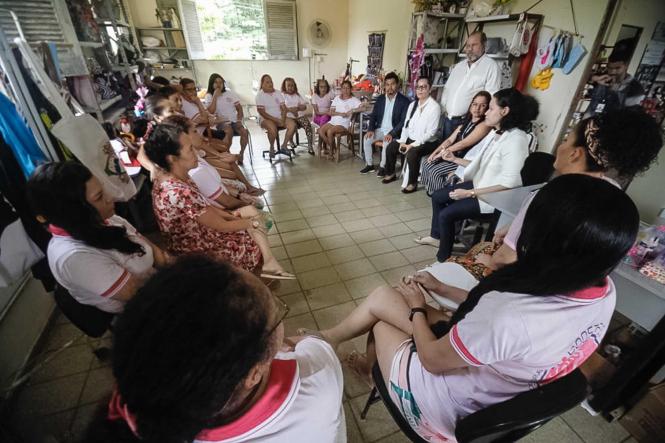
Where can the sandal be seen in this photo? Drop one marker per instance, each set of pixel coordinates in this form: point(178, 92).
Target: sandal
point(352, 360)
point(277, 275)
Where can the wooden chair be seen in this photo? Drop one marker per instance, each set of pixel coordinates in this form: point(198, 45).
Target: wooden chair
point(349, 134)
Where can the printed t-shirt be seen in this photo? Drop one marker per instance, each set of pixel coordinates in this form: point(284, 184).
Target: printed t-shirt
point(302, 402)
point(323, 103)
point(93, 276)
point(513, 343)
point(271, 103)
point(342, 105)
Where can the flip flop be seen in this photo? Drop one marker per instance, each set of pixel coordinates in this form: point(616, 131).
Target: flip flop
point(350, 360)
point(422, 241)
point(277, 275)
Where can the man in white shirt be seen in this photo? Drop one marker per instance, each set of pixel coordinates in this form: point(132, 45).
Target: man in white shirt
point(477, 73)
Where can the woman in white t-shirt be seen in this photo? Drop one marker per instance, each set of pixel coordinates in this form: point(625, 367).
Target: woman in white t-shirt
point(193, 109)
point(496, 168)
point(215, 333)
point(341, 110)
point(271, 107)
point(295, 109)
point(523, 326)
point(616, 147)
point(99, 257)
point(226, 105)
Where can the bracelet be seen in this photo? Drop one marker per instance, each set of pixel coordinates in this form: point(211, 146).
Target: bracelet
point(416, 310)
point(473, 194)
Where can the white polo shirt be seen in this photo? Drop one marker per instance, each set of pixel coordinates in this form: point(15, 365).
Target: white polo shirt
point(208, 181)
point(191, 111)
point(292, 101)
point(93, 276)
point(225, 105)
point(270, 103)
point(302, 402)
point(422, 127)
point(465, 81)
point(341, 105)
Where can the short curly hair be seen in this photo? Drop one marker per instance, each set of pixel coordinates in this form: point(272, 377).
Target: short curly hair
point(629, 141)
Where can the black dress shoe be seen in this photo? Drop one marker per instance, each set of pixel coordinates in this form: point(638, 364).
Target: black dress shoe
point(389, 180)
point(367, 169)
point(409, 191)
point(381, 172)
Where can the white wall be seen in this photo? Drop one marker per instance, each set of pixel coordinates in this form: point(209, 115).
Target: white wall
point(241, 73)
point(391, 16)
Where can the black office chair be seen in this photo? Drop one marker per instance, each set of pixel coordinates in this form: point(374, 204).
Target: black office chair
point(91, 321)
point(291, 149)
point(503, 422)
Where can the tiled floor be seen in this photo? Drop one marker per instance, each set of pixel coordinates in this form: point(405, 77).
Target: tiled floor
point(343, 234)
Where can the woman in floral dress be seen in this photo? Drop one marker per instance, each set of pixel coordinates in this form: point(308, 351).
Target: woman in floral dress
point(190, 223)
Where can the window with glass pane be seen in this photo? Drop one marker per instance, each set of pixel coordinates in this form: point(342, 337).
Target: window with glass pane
point(233, 29)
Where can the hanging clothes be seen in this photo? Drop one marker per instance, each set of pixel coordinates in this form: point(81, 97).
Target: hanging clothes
point(19, 137)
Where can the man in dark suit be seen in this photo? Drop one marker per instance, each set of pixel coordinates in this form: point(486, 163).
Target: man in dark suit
point(385, 122)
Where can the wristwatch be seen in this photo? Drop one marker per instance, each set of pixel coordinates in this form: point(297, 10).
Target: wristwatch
point(473, 194)
point(415, 310)
point(255, 224)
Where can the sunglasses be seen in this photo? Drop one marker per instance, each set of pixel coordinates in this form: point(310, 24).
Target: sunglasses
point(282, 311)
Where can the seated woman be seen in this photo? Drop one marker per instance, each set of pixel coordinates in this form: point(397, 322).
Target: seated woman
point(172, 94)
point(295, 109)
point(519, 328)
point(193, 109)
point(341, 111)
point(271, 107)
point(617, 146)
point(435, 170)
point(226, 105)
point(98, 256)
point(190, 223)
point(321, 101)
point(418, 136)
point(216, 333)
point(497, 168)
point(230, 176)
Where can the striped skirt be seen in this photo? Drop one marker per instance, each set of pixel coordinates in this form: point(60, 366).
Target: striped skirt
point(433, 175)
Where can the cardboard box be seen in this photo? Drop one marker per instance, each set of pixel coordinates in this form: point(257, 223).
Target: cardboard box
point(597, 370)
point(646, 420)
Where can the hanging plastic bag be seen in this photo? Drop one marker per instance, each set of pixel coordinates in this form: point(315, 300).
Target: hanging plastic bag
point(576, 55)
point(519, 45)
point(82, 134)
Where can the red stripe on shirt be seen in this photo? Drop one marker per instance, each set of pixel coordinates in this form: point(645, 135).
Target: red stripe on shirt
point(459, 346)
point(282, 385)
point(592, 293)
point(216, 194)
point(115, 287)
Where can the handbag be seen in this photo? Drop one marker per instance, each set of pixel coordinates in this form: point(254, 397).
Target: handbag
point(82, 134)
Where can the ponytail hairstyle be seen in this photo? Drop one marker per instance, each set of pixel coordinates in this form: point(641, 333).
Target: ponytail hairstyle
point(523, 109)
point(624, 142)
point(575, 232)
point(57, 192)
point(164, 140)
point(182, 348)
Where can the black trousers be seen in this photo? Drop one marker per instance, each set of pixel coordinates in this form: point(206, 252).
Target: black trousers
point(413, 157)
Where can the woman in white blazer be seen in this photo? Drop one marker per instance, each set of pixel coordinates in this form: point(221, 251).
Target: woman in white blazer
point(496, 168)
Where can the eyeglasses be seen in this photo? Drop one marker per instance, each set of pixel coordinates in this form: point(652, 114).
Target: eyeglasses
point(282, 311)
point(421, 87)
point(190, 89)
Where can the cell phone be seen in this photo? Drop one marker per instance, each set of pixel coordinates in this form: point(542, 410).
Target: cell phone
point(402, 149)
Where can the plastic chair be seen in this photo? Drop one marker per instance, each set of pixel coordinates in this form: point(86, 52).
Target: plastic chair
point(503, 422)
point(91, 321)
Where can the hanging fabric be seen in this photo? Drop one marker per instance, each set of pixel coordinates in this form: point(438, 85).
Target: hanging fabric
point(17, 252)
point(82, 134)
point(19, 137)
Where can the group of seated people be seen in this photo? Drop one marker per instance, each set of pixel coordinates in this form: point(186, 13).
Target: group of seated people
point(199, 352)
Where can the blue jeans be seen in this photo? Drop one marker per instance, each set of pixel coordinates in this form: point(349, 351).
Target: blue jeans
point(449, 125)
point(445, 212)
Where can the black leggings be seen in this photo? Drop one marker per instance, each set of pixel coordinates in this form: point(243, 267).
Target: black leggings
point(413, 157)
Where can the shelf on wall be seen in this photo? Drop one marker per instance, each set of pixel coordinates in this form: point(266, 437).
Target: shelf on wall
point(168, 48)
point(439, 15)
point(494, 56)
point(438, 51)
point(500, 18)
point(108, 22)
point(159, 29)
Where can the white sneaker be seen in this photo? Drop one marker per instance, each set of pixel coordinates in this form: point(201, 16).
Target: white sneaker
point(429, 241)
